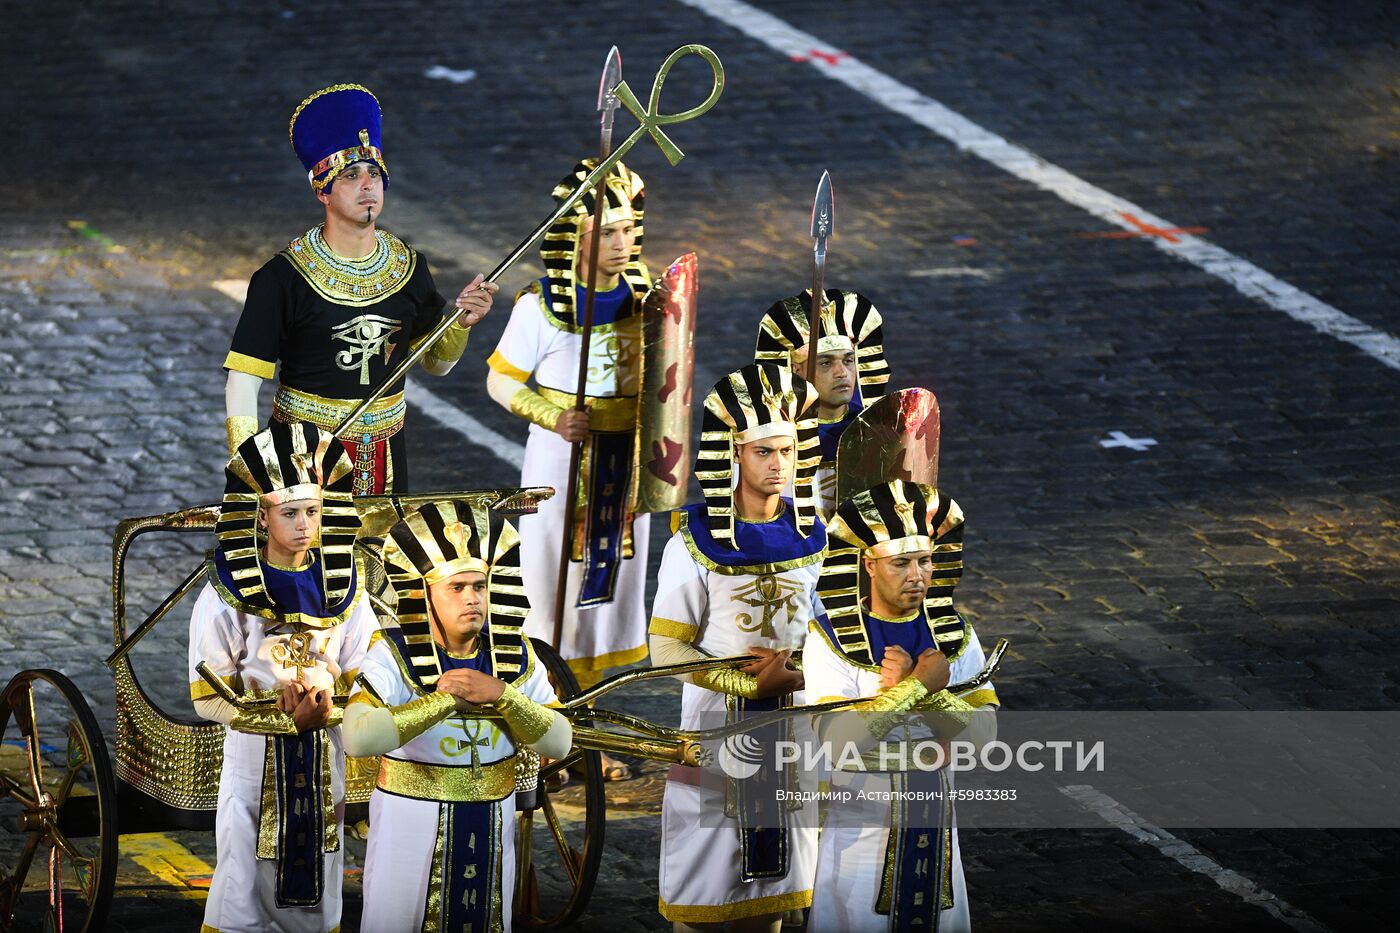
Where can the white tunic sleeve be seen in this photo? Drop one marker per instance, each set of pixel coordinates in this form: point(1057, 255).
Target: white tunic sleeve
point(682, 601)
point(354, 643)
point(827, 674)
point(217, 640)
point(966, 666)
point(381, 672)
point(522, 345)
point(537, 686)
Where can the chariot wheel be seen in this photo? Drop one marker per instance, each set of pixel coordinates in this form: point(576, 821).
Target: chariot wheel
point(559, 839)
point(58, 821)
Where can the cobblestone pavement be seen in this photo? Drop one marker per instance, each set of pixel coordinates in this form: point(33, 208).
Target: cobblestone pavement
point(1248, 560)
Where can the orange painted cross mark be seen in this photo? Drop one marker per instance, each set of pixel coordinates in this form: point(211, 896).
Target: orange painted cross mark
point(1144, 229)
point(831, 58)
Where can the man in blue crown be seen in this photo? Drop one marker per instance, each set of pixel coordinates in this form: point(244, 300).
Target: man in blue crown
point(345, 302)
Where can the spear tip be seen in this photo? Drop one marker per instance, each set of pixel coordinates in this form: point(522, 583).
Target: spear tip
point(823, 209)
point(612, 77)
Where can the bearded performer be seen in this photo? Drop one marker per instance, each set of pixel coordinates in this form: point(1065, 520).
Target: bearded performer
point(441, 852)
point(851, 370)
point(898, 645)
point(604, 608)
point(282, 618)
point(344, 303)
point(739, 577)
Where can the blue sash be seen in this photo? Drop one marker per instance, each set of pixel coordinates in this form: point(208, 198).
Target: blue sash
point(764, 833)
point(920, 825)
point(605, 522)
point(468, 840)
point(301, 821)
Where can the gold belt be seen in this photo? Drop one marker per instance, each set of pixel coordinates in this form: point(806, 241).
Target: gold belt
point(451, 783)
point(380, 422)
point(609, 414)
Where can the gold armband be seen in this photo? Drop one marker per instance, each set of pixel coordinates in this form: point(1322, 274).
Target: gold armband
point(451, 345)
point(535, 409)
point(415, 717)
point(239, 428)
point(528, 720)
point(727, 680)
point(892, 704)
point(954, 713)
point(265, 721)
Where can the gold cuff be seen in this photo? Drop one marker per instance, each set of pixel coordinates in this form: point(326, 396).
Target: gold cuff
point(265, 721)
point(239, 428)
point(954, 713)
point(727, 680)
point(451, 345)
point(945, 702)
point(531, 406)
point(893, 704)
point(528, 720)
point(415, 717)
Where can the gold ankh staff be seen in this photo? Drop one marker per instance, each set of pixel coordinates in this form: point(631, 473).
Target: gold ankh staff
point(651, 120)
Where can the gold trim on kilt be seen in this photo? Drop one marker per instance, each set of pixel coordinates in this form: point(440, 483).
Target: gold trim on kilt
point(736, 910)
point(450, 783)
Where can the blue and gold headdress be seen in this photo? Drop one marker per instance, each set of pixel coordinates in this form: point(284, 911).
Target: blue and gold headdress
point(445, 538)
point(337, 126)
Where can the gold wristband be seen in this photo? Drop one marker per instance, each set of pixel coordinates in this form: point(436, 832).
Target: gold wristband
point(945, 702)
point(954, 713)
point(535, 409)
point(267, 721)
point(892, 704)
point(727, 680)
point(239, 428)
point(451, 345)
point(528, 720)
point(417, 716)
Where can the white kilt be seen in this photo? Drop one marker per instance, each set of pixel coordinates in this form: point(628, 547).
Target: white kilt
point(700, 861)
point(398, 861)
point(243, 892)
point(599, 637)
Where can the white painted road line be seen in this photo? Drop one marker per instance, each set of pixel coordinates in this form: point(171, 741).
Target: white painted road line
point(426, 401)
point(1182, 852)
point(1248, 278)
point(450, 416)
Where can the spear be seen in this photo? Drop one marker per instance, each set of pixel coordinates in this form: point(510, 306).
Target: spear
point(823, 223)
point(607, 105)
point(651, 119)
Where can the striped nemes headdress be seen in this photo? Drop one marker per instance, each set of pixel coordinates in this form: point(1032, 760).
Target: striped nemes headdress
point(335, 127)
point(898, 517)
point(446, 538)
point(761, 400)
point(624, 197)
point(848, 321)
point(286, 463)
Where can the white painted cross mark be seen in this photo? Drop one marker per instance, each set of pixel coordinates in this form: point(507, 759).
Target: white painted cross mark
point(1119, 439)
point(443, 73)
point(1247, 278)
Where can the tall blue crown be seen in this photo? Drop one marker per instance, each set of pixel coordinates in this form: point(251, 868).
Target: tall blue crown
point(334, 127)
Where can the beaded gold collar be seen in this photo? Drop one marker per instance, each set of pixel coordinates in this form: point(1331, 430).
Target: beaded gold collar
point(352, 282)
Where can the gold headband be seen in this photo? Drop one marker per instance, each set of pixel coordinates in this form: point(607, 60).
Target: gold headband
point(759, 431)
point(899, 546)
point(453, 567)
point(290, 494)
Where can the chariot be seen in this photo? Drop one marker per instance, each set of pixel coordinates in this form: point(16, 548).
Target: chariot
point(68, 800)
